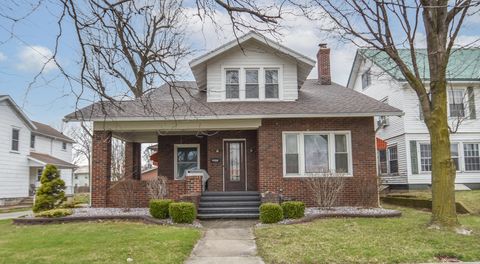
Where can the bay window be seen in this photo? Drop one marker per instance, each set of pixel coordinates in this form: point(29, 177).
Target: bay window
point(311, 153)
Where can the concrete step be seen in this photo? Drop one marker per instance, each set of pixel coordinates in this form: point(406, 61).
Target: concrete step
point(228, 210)
point(229, 198)
point(236, 193)
point(230, 204)
point(228, 216)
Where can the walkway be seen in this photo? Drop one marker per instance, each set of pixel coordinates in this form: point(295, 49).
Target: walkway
point(14, 215)
point(226, 242)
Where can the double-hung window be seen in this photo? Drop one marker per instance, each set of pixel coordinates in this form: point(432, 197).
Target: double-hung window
point(426, 156)
point(455, 155)
point(271, 83)
point(456, 103)
point(383, 165)
point(366, 79)
point(251, 84)
point(392, 160)
point(32, 141)
point(311, 153)
point(15, 139)
point(232, 83)
point(187, 157)
point(472, 156)
point(64, 146)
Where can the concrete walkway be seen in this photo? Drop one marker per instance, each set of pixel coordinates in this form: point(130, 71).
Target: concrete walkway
point(14, 215)
point(226, 242)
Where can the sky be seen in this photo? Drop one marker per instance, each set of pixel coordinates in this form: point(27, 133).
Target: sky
point(25, 48)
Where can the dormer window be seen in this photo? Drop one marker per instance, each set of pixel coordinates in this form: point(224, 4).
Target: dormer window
point(252, 83)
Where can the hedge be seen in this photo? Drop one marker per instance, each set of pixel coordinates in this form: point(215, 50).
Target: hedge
point(270, 213)
point(293, 209)
point(54, 213)
point(159, 208)
point(182, 212)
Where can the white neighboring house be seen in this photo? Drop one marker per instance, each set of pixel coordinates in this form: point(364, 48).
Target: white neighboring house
point(26, 147)
point(81, 177)
point(405, 160)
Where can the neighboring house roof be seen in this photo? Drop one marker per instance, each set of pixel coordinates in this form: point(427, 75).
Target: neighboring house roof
point(314, 100)
point(150, 174)
point(305, 64)
point(463, 65)
point(45, 159)
point(81, 170)
point(48, 131)
point(19, 111)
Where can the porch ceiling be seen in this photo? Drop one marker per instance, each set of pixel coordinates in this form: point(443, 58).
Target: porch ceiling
point(147, 131)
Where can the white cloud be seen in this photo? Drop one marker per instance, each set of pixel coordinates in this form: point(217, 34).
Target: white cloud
point(33, 58)
point(3, 57)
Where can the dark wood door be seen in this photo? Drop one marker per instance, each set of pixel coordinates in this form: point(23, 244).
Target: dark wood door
point(234, 165)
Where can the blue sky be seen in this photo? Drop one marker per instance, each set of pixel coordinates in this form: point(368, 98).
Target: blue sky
point(49, 99)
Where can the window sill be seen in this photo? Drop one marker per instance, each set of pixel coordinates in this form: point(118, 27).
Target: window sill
point(14, 152)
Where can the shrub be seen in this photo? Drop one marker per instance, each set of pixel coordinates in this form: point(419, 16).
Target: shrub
point(54, 213)
point(293, 209)
point(52, 191)
point(270, 213)
point(159, 208)
point(326, 188)
point(182, 212)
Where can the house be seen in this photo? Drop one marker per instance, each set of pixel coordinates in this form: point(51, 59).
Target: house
point(404, 152)
point(251, 123)
point(26, 147)
point(81, 179)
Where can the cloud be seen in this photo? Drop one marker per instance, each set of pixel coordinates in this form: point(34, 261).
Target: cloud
point(3, 57)
point(33, 58)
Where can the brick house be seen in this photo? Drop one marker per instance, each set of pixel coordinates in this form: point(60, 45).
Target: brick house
point(251, 122)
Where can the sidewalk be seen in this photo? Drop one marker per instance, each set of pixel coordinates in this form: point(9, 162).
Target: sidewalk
point(14, 215)
point(226, 242)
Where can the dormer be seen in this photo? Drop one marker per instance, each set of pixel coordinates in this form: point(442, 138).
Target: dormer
point(251, 68)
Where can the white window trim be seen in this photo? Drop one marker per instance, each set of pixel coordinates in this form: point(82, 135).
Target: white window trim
point(261, 82)
point(461, 157)
point(466, 108)
point(388, 161)
point(175, 151)
point(331, 152)
point(11, 139)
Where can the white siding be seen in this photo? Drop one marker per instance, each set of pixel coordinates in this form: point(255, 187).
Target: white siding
point(53, 148)
point(253, 55)
point(401, 178)
point(81, 179)
point(14, 170)
point(67, 177)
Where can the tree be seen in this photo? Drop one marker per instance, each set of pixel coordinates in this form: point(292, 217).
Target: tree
point(52, 190)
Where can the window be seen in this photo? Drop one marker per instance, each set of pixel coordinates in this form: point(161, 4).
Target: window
point(271, 83)
point(15, 138)
point(64, 146)
point(251, 83)
point(472, 156)
point(32, 141)
point(455, 103)
point(366, 79)
point(316, 152)
point(39, 174)
point(392, 160)
point(235, 161)
point(232, 85)
point(425, 157)
point(454, 154)
point(187, 158)
point(382, 157)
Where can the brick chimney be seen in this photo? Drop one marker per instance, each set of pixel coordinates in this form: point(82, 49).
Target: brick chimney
point(323, 64)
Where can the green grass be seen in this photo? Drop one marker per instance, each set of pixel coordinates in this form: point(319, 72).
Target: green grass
point(362, 240)
point(471, 199)
point(108, 242)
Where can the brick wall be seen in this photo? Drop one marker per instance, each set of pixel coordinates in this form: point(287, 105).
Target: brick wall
point(133, 161)
point(101, 165)
point(363, 152)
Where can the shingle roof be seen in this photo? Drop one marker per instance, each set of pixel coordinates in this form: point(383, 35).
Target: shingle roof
point(47, 159)
point(314, 100)
point(49, 131)
point(463, 65)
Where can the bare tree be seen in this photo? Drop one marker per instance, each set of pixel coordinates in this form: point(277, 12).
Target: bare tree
point(82, 148)
point(157, 188)
point(118, 160)
point(326, 188)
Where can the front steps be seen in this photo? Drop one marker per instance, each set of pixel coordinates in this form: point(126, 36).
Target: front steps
point(229, 205)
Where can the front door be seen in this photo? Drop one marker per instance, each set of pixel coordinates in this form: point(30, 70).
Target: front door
point(234, 165)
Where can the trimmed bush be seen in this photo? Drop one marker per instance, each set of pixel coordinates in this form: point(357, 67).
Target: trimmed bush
point(54, 213)
point(270, 213)
point(182, 212)
point(52, 191)
point(159, 208)
point(293, 209)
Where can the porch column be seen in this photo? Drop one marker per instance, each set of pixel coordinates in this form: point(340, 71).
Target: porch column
point(101, 167)
point(133, 160)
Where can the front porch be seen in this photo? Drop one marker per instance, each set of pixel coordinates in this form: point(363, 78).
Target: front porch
point(195, 158)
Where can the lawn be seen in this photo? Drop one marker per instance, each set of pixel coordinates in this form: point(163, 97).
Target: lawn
point(471, 199)
point(361, 240)
point(107, 242)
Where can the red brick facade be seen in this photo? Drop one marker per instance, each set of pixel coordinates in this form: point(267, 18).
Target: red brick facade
point(264, 162)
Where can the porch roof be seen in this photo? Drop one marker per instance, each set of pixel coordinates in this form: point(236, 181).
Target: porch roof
point(40, 159)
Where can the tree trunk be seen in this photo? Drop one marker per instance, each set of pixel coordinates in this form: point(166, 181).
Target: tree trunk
point(443, 167)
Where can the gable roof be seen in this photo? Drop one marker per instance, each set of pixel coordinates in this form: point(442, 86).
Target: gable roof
point(48, 131)
point(304, 63)
point(19, 111)
point(315, 100)
point(463, 65)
